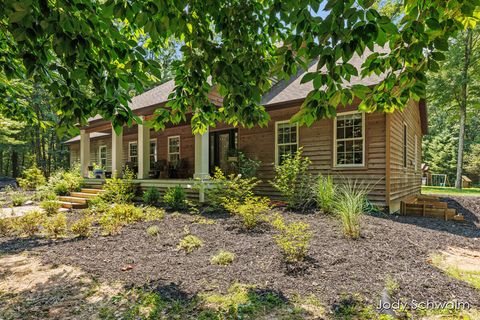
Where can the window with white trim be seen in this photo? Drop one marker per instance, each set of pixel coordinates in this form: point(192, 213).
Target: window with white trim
point(102, 157)
point(133, 152)
point(173, 149)
point(286, 138)
point(349, 134)
point(153, 152)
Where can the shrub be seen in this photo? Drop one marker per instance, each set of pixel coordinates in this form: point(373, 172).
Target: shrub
point(18, 199)
point(175, 198)
point(119, 190)
point(151, 196)
point(292, 238)
point(294, 182)
point(251, 211)
point(222, 258)
point(45, 193)
point(6, 226)
point(224, 190)
point(50, 206)
point(153, 231)
point(151, 214)
point(349, 205)
point(32, 178)
point(325, 193)
point(246, 167)
point(190, 243)
point(118, 216)
point(56, 225)
point(30, 223)
point(82, 227)
point(63, 182)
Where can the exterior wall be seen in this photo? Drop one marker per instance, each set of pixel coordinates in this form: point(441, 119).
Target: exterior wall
point(383, 169)
point(404, 181)
point(318, 144)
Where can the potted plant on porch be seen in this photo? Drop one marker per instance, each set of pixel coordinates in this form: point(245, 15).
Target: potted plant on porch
point(98, 171)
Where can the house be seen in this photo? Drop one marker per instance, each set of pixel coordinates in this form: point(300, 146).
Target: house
point(383, 150)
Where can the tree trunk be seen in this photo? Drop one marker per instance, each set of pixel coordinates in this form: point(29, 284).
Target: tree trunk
point(14, 163)
point(463, 107)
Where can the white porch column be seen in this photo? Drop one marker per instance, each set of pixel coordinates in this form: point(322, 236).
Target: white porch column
point(84, 152)
point(143, 150)
point(117, 153)
point(201, 160)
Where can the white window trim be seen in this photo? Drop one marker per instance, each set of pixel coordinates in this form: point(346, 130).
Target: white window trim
point(276, 138)
point(168, 147)
point(156, 149)
point(129, 153)
point(100, 155)
point(359, 165)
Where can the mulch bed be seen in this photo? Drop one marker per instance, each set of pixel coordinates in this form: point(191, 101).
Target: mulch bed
point(395, 247)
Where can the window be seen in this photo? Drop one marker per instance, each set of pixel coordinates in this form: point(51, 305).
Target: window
point(102, 157)
point(133, 152)
point(153, 152)
point(173, 149)
point(405, 149)
point(286, 138)
point(416, 153)
point(349, 137)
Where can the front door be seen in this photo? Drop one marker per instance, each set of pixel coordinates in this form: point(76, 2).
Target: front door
point(222, 144)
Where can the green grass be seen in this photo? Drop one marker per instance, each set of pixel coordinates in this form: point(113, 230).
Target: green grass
point(475, 192)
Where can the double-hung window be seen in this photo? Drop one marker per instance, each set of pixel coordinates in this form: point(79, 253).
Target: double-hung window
point(286, 138)
point(102, 157)
point(174, 149)
point(405, 145)
point(133, 152)
point(349, 133)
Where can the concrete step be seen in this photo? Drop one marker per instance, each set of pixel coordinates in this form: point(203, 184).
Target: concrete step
point(84, 195)
point(73, 205)
point(94, 191)
point(72, 199)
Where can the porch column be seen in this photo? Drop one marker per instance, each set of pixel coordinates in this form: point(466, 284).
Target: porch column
point(84, 152)
point(117, 153)
point(201, 160)
point(143, 150)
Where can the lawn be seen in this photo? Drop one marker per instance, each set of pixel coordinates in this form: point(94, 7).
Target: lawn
point(141, 272)
point(450, 191)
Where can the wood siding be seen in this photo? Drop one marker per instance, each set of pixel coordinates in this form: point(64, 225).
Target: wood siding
point(404, 181)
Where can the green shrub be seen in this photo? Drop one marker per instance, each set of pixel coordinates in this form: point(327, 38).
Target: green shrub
point(119, 190)
point(153, 231)
point(246, 167)
point(251, 211)
point(349, 204)
point(118, 216)
point(83, 227)
point(151, 196)
point(151, 214)
point(32, 178)
point(294, 182)
point(7, 227)
point(224, 189)
point(63, 182)
point(190, 243)
point(18, 198)
point(292, 238)
point(30, 223)
point(50, 206)
point(56, 225)
point(98, 206)
point(325, 193)
point(223, 258)
point(175, 198)
point(45, 193)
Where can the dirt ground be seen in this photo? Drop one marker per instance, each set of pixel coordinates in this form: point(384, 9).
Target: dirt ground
point(391, 247)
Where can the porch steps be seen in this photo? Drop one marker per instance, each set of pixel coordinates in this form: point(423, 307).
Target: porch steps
point(79, 200)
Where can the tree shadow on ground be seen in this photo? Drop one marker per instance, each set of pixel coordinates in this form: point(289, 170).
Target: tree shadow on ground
point(17, 245)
